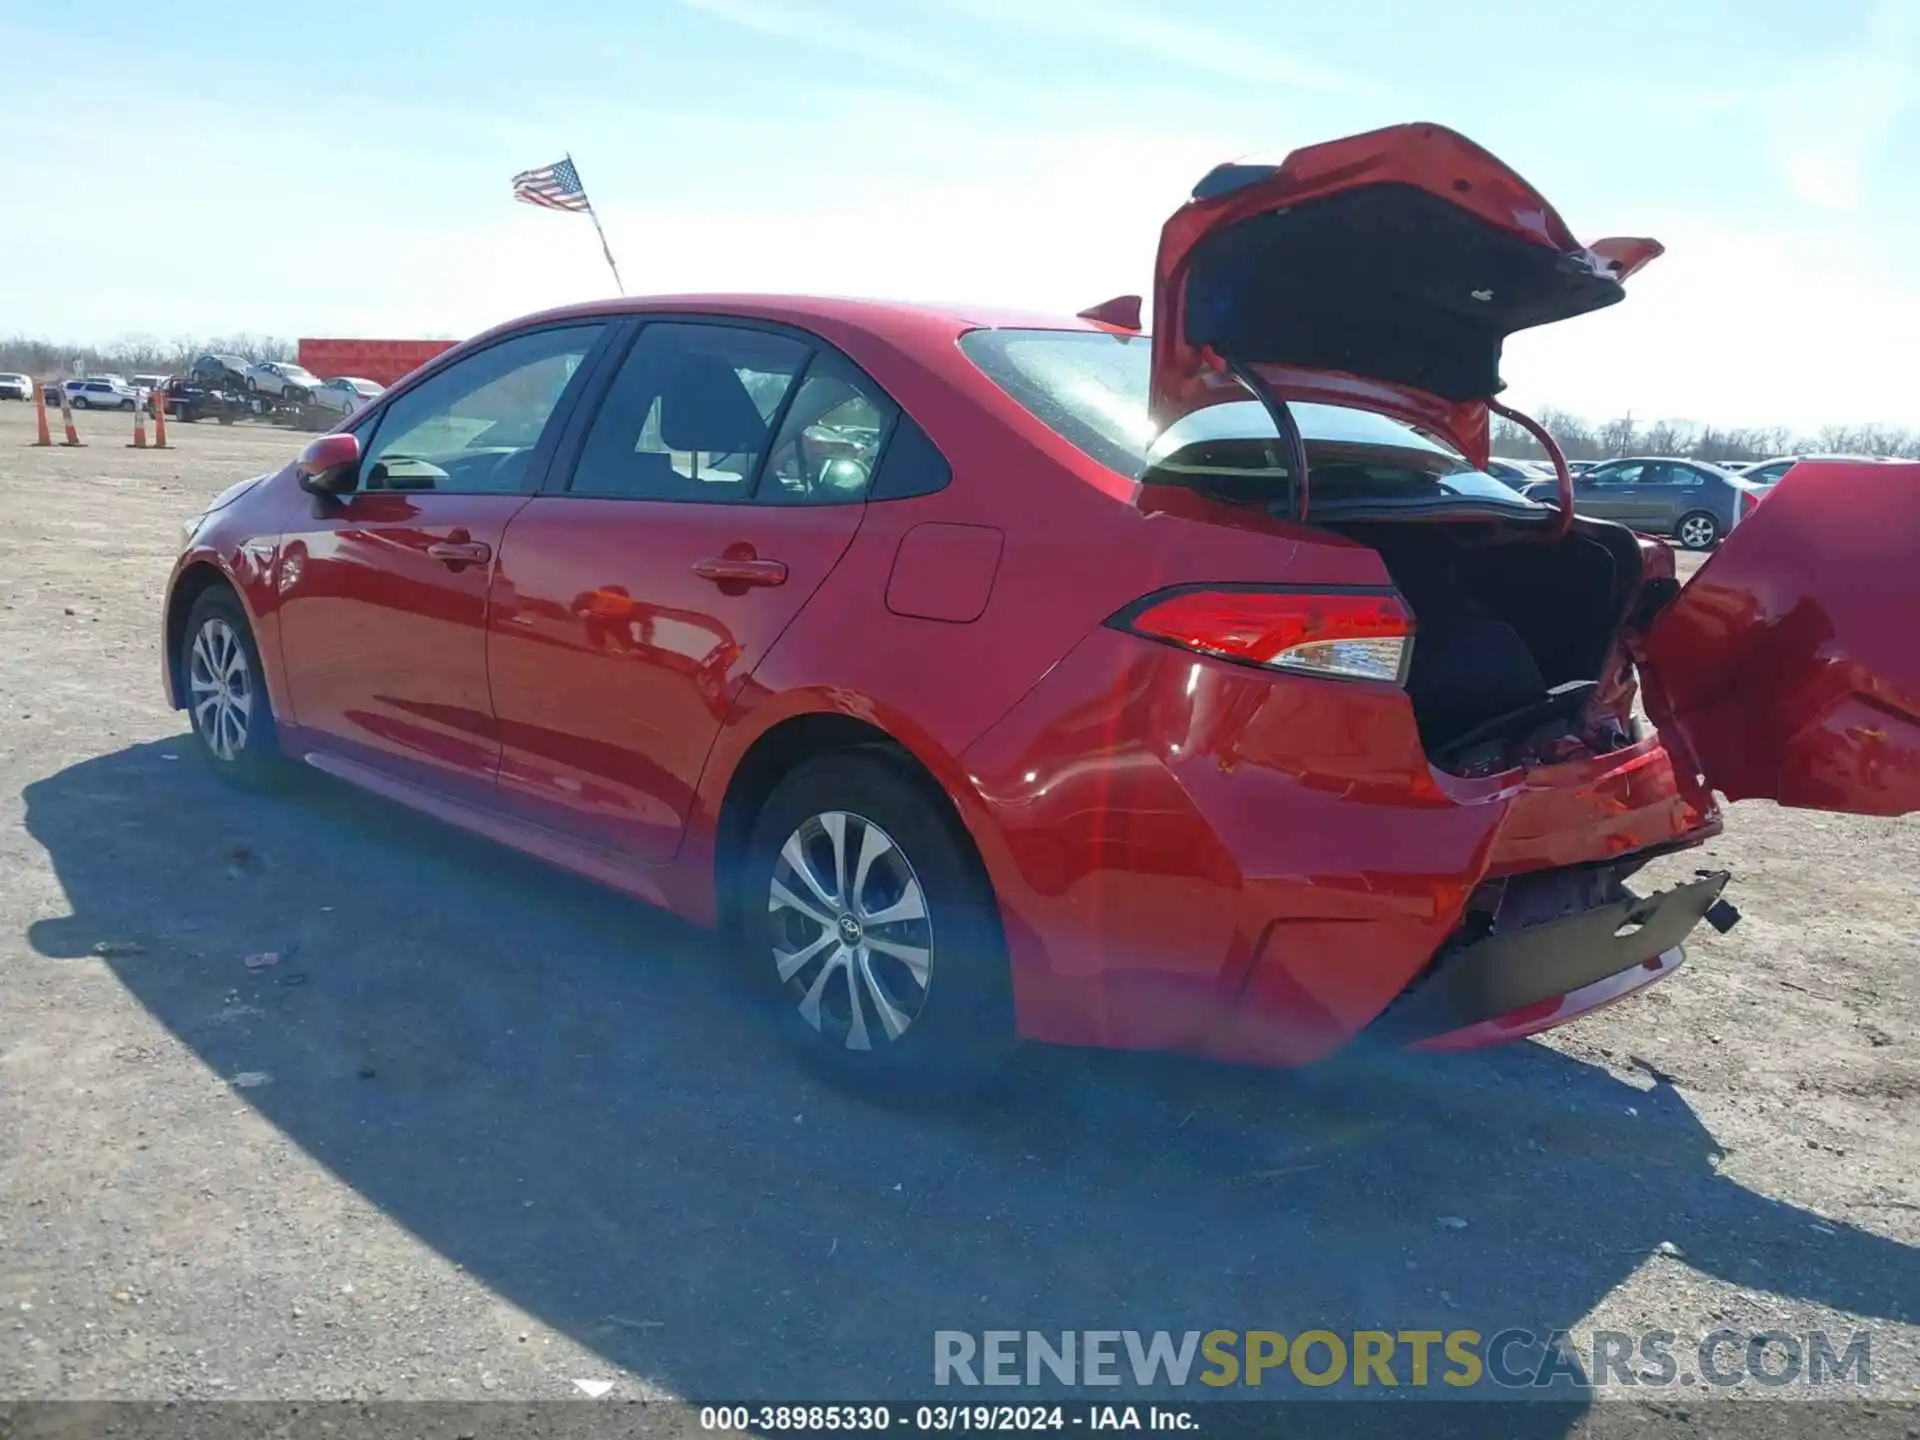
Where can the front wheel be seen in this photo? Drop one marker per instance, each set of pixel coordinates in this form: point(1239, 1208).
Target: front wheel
point(1698, 530)
point(871, 926)
point(221, 678)
point(127, 404)
point(80, 403)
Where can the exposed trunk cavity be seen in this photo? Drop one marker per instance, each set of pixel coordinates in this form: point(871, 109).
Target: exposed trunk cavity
point(1517, 656)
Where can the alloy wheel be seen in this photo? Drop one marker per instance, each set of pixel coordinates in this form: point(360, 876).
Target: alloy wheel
point(220, 683)
point(853, 942)
point(1696, 532)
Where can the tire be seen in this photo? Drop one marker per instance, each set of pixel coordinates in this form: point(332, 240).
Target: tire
point(1697, 530)
point(237, 739)
point(80, 402)
point(128, 405)
point(930, 1017)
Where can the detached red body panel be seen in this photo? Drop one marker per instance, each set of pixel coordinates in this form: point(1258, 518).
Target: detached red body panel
point(1790, 663)
point(1180, 734)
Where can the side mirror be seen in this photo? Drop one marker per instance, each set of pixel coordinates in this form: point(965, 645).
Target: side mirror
point(330, 465)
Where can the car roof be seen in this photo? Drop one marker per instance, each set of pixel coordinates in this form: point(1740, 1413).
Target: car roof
point(891, 319)
point(1662, 459)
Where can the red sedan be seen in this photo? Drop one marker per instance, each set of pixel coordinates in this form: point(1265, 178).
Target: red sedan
point(990, 677)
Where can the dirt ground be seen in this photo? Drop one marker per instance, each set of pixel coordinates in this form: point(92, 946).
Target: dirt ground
point(484, 1131)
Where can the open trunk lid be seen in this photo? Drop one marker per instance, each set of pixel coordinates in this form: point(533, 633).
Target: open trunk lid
point(1382, 271)
point(1789, 665)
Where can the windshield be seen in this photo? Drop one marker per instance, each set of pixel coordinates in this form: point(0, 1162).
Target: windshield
point(1091, 387)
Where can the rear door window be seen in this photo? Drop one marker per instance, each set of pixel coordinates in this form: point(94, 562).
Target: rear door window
point(690, 414)
point(830, 439)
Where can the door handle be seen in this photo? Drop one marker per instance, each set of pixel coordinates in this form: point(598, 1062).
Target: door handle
point(724, 570)
point(455, 553)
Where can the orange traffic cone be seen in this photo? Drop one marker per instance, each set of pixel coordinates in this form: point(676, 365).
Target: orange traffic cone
point(160, 420)
point(66, 418)
point(139, 441)
point(45, 434)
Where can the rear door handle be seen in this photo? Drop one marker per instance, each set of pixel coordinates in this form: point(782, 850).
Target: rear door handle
point(455, 553)
point(723, 570)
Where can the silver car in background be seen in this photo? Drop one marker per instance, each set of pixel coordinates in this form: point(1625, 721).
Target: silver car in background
point(344, 394)
point(1694, 502)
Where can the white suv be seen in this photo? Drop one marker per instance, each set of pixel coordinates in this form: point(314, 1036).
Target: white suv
point(15, 387)
point(99, 393)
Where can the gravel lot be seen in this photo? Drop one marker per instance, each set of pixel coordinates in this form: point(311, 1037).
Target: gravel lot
point(483, 1130)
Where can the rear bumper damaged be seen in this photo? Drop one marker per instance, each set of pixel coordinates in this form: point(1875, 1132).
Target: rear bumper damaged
point(1521, 975)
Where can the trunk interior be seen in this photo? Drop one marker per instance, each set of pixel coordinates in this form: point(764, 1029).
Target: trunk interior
point(1515, 653)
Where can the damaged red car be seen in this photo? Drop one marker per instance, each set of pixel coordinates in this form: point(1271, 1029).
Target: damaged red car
point(988, 677)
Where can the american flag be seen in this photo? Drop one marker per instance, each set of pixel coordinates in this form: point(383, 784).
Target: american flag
point(557, 187)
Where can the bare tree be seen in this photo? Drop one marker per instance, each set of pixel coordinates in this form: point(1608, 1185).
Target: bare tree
point(1618, 437)
point(1508, 438)
point(1662, 438)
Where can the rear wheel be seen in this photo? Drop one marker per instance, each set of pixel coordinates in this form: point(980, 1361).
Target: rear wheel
point(872, 929)
point(80, 402)
point(1697, 530)
point(222, 682)
point(127, 404)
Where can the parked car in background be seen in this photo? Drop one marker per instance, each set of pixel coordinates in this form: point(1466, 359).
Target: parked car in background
point(344, 394)
point(1768, 472)
point(148, 383)
point(1515, 474)
point(219, 372)
point(282, 380)
point(16, 387)
point(1694, 502)
point(1580, 467)
point(101, 393)
point(1019, 713)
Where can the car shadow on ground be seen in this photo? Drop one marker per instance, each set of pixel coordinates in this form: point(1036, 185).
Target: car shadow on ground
point(561, 1091)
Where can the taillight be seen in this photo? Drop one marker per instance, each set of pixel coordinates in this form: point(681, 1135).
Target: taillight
point(1749, 502)
point(1357, 635)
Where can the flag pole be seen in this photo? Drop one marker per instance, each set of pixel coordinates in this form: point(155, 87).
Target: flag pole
point(605, 249)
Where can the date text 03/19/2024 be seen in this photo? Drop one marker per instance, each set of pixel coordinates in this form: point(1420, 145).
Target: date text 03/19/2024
point(945, 1419)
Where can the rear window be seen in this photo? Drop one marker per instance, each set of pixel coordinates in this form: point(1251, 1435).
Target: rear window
point(1091, 388)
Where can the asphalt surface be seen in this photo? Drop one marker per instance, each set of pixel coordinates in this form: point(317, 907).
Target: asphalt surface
point(480, 1131)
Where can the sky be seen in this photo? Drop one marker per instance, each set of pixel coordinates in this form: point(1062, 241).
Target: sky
point(342, 168)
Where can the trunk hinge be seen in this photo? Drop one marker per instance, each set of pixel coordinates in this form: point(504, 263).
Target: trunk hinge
point(1282, 416)
point(1565, 476)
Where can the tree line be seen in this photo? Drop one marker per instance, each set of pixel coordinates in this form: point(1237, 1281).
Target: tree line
point(1614, 438)
point(134, 355)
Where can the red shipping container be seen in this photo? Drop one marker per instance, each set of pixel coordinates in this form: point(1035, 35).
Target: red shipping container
point(381, 361)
